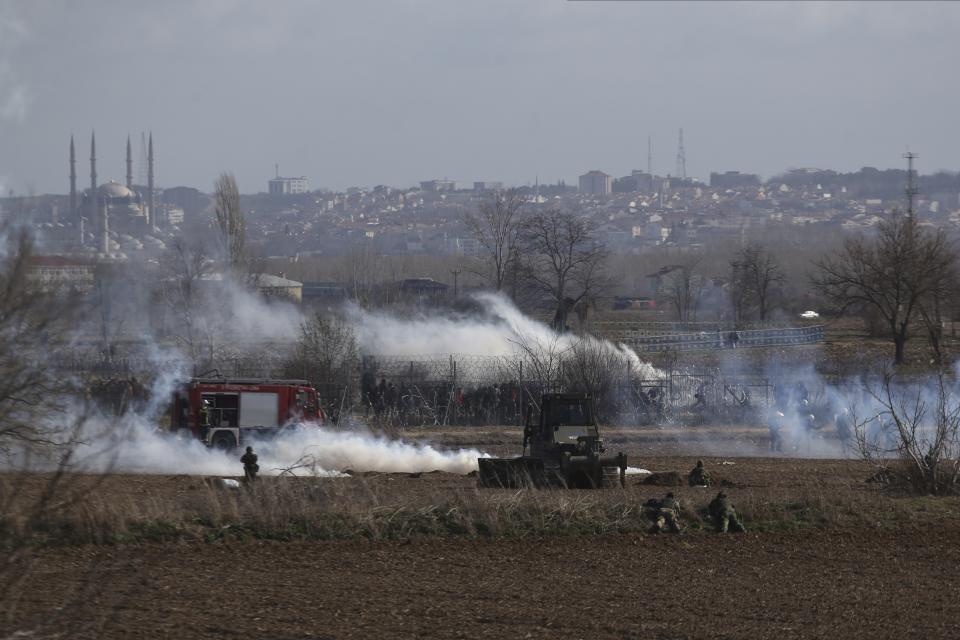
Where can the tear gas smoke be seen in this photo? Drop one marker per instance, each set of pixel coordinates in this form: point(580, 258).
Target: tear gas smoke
point(304, 449)
point(496, 333)
point(251, 317)
point(134, 445)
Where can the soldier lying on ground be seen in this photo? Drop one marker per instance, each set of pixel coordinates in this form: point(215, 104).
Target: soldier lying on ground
point(663, 513)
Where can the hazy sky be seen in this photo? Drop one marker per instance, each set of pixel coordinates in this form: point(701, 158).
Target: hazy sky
point(350, 92)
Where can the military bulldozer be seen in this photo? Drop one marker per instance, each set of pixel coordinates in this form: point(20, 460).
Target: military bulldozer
point(565, 450)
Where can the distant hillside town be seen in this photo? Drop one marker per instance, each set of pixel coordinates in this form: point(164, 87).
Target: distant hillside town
point(137, 221)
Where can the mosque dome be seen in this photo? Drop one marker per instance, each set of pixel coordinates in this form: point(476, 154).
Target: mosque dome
point(115, 190)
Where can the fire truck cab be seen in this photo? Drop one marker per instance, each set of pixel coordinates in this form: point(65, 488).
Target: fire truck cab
point(226, 412)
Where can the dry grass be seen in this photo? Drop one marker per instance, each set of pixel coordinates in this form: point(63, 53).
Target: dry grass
point(397, 507)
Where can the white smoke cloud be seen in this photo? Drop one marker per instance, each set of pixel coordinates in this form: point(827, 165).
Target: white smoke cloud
point(251, 317)
point(133, 443)
point(312, 449)
point(497, 333)
point(15, 98)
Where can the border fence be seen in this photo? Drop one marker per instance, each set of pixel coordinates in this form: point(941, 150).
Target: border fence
point(705, 340)
point(465, 389)
point(445, 389)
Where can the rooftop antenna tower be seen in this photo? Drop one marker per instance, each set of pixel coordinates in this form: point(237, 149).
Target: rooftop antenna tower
point(73, 181)
point(276, 169)
point(911, 189)
point(681, 158)
point(649, 156)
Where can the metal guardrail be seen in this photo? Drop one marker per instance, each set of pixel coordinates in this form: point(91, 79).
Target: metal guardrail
point(708, 341)
point(620, 330)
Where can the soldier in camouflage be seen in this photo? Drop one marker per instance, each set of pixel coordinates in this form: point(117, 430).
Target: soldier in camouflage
point(664, 513)
point(250, 466)
point(724, 516)
point(699, 477)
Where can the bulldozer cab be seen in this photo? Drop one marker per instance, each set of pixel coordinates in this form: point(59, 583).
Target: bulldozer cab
point(565, 450)
point(566, 424)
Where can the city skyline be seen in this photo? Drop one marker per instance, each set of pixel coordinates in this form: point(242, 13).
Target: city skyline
point(347, 96)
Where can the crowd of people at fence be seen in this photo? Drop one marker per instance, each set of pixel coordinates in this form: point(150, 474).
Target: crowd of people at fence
point(417, 403)
point(406, 403)
point(797, 416)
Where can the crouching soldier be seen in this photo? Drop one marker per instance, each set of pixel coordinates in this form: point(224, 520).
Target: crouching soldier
point(699, 477)
point(724, 516)
point(664, 513)
point(250, 466)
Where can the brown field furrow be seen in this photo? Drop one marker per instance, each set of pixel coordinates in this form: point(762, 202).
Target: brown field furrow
point(805, 585)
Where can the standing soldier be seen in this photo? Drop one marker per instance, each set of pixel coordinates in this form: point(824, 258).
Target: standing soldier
point(699, 477)
point(250, 466)
point(724, 516)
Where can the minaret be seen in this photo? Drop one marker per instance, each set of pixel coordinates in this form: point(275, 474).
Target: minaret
point(151, 212)
point(93, 177)
point(73, 182)
point(97, 212)
point(104, 227)
point(129, 165)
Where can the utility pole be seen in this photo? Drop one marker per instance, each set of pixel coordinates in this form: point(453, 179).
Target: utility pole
point(681, 158)
point(456, 273)
point(911, 189)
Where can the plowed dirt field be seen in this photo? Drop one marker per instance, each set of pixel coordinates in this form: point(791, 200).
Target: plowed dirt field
point(847, 577)
point(814, 585)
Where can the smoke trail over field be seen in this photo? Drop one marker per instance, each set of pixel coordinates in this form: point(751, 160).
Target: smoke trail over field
point(134, 445)
point(321, 450)
point(496, 332)
point(312, 450)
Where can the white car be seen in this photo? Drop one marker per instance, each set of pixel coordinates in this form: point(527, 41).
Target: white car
point(809, 315)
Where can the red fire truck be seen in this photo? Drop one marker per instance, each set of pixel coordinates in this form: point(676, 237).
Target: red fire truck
point(226, 412)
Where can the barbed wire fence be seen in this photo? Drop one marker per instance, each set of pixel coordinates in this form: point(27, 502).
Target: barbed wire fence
point(469, 389)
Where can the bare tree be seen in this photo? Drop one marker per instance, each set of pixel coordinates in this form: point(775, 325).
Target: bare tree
point(326, 351)
point(231, 222)
point(364, 268)
point(118, 302)
point(681, 289)
point(563, 260)
point(184, 291)
point(538, 360)
point(755, 276)
point(43, 415)
point(32, 322)
point(595, 368)
point(497, 229)
point(917, 425)
point(937, 302)
point(893, 273)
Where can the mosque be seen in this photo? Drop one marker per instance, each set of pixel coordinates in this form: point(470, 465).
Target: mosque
point(123, 209)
